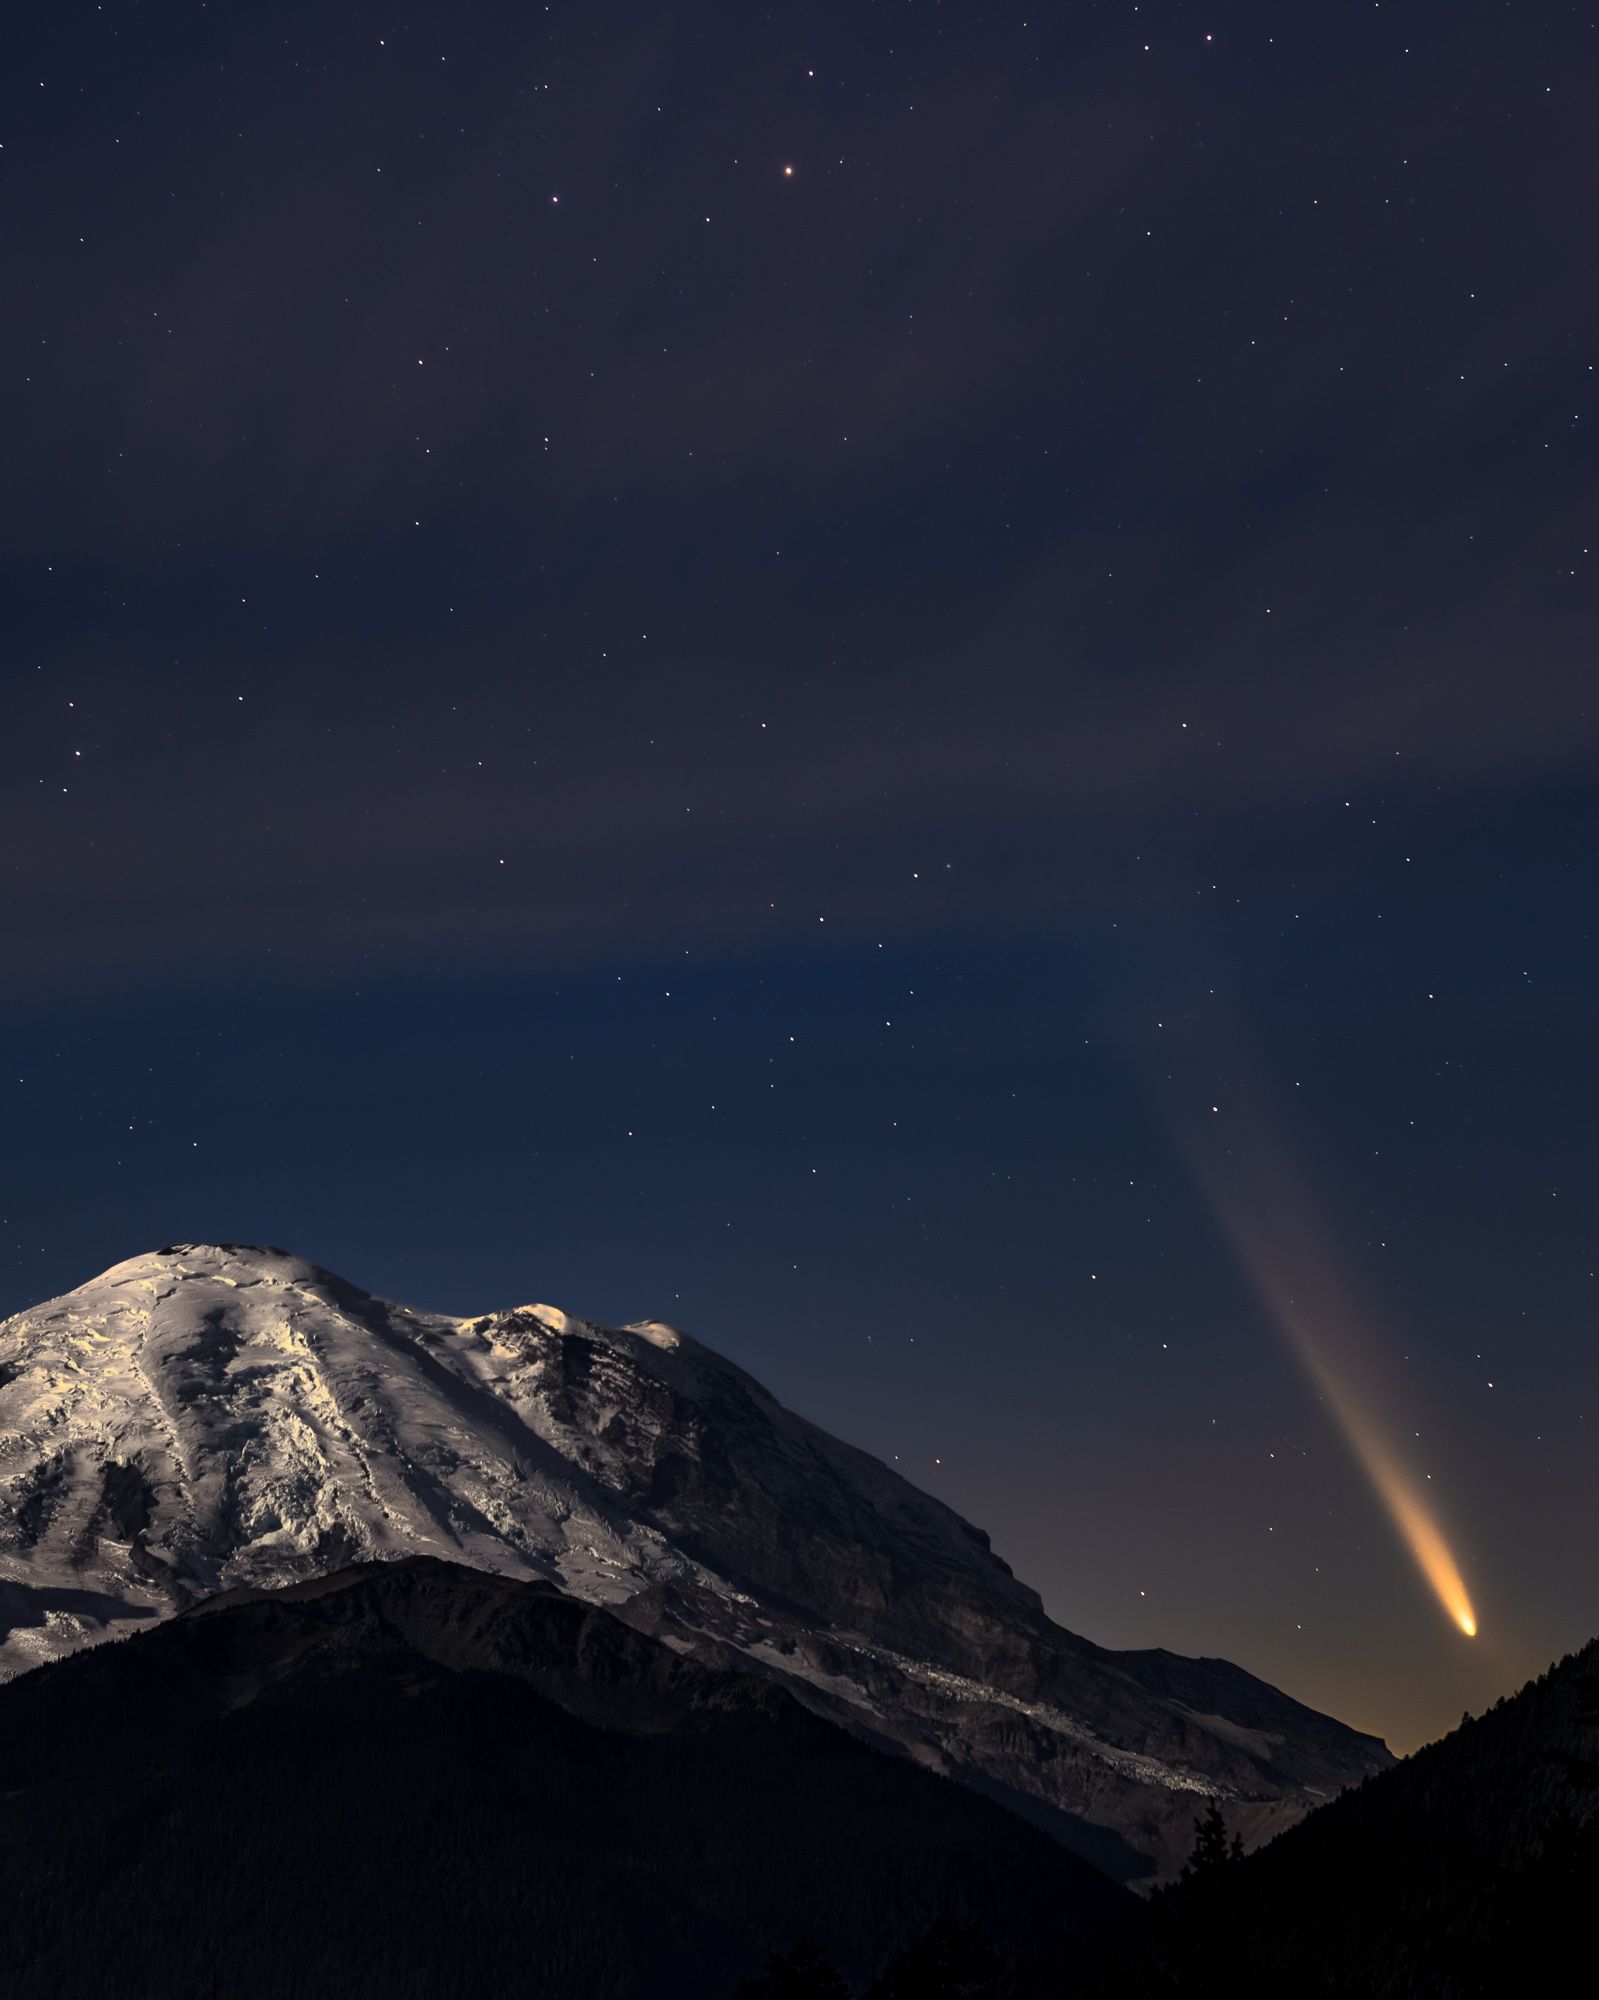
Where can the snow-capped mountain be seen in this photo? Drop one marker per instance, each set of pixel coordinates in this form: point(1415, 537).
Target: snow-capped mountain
point(212, 1416)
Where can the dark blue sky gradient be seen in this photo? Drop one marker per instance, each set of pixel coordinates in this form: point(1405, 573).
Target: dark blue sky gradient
point(587, 719)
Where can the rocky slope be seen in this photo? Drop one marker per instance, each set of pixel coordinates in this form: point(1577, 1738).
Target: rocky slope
point(212, 1416)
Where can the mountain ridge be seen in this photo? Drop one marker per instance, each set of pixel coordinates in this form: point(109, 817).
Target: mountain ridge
point(422, 1778)
point(212, 1416)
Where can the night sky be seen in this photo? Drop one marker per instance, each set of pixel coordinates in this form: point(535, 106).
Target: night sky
point(912, 684)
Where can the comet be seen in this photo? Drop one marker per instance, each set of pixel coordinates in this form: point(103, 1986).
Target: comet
point(1393, 1485)
point(1282, 1248)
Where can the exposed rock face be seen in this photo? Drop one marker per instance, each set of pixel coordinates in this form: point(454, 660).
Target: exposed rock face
point(213, 1416)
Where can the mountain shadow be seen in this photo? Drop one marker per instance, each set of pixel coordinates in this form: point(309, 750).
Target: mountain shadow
point(414, 1779)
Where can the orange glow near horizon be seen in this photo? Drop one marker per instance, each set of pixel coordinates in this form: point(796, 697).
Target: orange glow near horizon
point(1281, 1248)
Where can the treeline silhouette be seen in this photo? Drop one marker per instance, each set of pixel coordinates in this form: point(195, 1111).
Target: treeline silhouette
point(1471, 1869)
point(950, 1961)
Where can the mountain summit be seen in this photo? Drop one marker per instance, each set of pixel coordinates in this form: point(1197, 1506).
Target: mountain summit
point(215, 1416)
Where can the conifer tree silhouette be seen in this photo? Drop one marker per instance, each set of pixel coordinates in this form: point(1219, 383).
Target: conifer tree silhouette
point(1212, 1849)
point(799, 1974)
